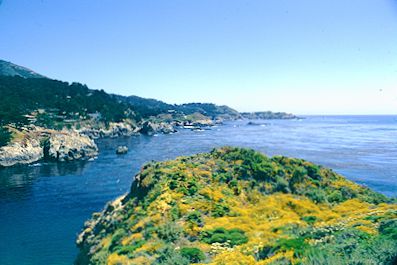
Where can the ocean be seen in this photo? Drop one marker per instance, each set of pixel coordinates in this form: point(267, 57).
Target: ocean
point(44, 206)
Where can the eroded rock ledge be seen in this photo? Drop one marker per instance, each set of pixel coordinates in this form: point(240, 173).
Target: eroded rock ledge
point(37, 143)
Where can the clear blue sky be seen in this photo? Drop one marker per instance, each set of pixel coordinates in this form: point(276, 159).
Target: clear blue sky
point(306, 57)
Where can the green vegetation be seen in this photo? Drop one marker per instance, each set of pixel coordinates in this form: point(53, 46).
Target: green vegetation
point(152, 107)
point(54, 101)
point(267, 115)
point(56, 105)
point(194, 255)
point(237, 206)
point(221, 235)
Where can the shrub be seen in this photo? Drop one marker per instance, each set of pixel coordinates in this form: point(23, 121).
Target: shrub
point(313, 171)
point(169, 256)
point(298, 245)
point(192, 188)
point(194, 217)
point(309, 219)
point(316, 195)
point(281, 185)
point(194, 255)
point(222, 235)
point(169, 232)
point(129, 249)
point(389, 228)
point(335, 196)
point(220, 210)
point(117, 236)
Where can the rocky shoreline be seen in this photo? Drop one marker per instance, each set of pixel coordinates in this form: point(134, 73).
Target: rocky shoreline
point(36, 143)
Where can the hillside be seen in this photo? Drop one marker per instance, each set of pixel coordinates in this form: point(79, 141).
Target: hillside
point(57, 101)
point(152, 107)
point(10, 69)
point(267, 115)
point(237, 206)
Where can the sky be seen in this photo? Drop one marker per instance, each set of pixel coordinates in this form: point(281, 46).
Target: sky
point(304, 57)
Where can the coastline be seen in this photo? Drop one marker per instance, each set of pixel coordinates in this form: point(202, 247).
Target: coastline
point(34, 143)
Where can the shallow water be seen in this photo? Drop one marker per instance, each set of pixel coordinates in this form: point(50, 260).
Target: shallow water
point(43, 206)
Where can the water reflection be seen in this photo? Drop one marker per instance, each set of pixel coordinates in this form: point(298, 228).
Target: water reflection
point(16, 182)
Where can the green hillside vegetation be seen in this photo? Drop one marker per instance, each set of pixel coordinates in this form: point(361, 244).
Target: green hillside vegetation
point(208, 109)
point(238, 206)
point(146, 107)
point(152, 107)
point(267, 115)
point(21, 96)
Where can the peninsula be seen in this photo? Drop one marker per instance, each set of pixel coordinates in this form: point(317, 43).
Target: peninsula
point(238, 206)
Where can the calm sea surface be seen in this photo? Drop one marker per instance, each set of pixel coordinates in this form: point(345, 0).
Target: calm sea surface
point(44, 206)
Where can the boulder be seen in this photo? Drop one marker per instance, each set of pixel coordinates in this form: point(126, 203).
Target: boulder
point(121, 150)
point(151, 128)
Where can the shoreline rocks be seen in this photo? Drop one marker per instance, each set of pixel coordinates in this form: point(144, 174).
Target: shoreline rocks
point(68, 146)
point(116, 129)
point(25, 152)
point(78, 144)
point(151, 128)
point(46, 144)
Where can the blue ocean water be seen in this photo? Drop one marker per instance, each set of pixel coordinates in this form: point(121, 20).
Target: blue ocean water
point(43, 206)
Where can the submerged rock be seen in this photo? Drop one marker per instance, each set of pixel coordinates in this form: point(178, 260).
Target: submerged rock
point(121, 150)
point(25, 152)
point(68, 146)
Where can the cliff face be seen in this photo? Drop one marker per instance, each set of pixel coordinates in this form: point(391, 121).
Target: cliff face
point(24, 152)
point(237, 206)
point(69, 146)
point(37, 143)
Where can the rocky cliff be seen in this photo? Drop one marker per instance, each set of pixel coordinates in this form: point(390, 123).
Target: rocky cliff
point(23, 152)
point(35, 143)
point(67, 146)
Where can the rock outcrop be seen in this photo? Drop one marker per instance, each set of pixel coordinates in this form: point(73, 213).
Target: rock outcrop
point(151, 128)
point(116, 129)
point(68, 146)
point(23, 152)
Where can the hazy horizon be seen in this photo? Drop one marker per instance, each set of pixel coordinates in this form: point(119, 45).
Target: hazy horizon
point(306, 58)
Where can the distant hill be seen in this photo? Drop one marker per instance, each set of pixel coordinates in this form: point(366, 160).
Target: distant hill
point(268, 115)
point(152, 107)
point(210, 110)
point(146, 106)
point(10, 69)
